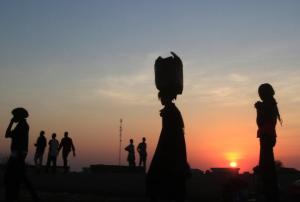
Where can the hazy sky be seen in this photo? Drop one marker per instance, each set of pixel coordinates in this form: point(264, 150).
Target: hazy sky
point(80, 66)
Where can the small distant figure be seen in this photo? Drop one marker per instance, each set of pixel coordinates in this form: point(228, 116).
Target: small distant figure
point(40, 145)
point(67, 146)
point(15, 172)
point(267, 115)
point(52, 154)
point(131, 154)
point(142, 150)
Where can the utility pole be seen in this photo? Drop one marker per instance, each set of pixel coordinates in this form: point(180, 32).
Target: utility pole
point(121, 130)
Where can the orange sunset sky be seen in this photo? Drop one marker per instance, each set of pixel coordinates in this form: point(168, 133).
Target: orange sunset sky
point(80, 67)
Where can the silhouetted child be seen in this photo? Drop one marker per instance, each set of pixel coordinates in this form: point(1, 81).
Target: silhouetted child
point(267, 115)
point(168, 170)
point(131, 154)
point(40, 145)
point(15, 172)
point(67, 146)
point(142, 150)
point(52, 153)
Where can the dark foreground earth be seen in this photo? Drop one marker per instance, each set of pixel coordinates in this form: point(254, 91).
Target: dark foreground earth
point(108, 187)
point(121, 187)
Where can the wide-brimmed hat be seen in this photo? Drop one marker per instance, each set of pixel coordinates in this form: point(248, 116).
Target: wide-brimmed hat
point(20, 112)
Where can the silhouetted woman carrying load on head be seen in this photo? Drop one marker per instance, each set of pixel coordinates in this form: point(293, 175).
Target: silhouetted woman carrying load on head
point(168, 170)
point(267, 115)
point(15, 173)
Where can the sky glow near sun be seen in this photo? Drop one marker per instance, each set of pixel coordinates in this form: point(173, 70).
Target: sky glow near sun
point(233, 156)
point(81, 67)
point(233, 164)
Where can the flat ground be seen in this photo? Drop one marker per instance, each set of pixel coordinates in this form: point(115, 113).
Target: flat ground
point(113, 187)
point(108, 187)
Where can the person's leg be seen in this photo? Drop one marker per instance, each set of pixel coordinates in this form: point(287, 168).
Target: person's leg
point(18, 172)
point(54, 164)
point(40, 162)
point(141, 160)
point(271, 179)
point(10, 181)
point(268, 171)
point(41, 159)
point(36, 159)
point(65, 160)
point(26, 181)
point(31, 189)
point(144, 162)
point(48, 163)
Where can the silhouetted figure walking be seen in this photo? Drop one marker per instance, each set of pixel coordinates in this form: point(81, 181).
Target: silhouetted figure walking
point(267, 115)
point(131, 154)
point(166, 178)
point(15, 172)
point(52, 153)
point(40, 145)
point(142, 150)
point(67, 146)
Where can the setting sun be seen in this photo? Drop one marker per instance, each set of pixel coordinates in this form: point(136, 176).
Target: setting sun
point(233, 164)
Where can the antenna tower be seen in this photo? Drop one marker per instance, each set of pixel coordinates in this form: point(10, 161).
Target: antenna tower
point(120, 144)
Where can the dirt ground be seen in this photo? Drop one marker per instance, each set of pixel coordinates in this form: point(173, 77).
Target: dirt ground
point(106, 187)
point(114, 187)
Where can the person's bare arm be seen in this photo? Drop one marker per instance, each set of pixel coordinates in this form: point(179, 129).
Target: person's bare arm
point(8, 130)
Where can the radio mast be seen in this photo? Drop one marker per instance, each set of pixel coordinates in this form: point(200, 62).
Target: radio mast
point(120, 144)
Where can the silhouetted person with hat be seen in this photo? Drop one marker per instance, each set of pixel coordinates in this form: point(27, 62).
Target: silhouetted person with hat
point(142, 150)
point(52, 153)
point(15, 172)
point(67, 146)
point(267, 115)
point(131, 154)
point(40, 145)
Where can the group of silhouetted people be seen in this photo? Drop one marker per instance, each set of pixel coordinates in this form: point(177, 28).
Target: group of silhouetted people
point(142, 150)
point(169, 168)
point(66, 145)
point(15, 173)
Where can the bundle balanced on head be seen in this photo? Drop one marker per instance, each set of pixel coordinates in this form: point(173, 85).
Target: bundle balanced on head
point(169, 168)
